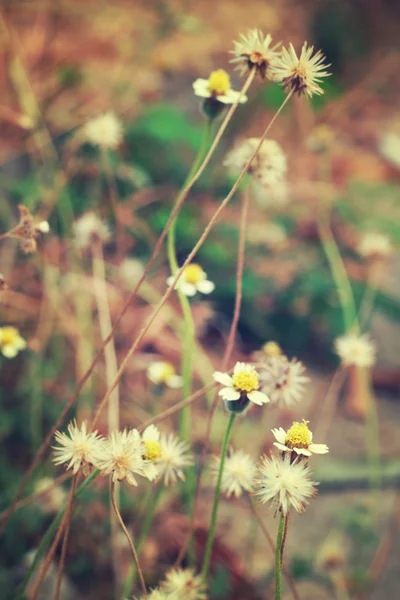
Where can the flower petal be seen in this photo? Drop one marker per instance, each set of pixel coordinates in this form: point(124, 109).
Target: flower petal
point(206, 286)
point(302, 451)
point(188, 288)
point(258, 397)
point(223, 378)
point(229, 393)
point(279, 434)
point(319, 448)
point(282, 447)
point(174, 382)
point(9, 351)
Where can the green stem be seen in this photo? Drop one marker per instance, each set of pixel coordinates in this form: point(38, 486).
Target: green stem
point(338, 272)
point(49, 534)
point(278, 559)
point(211, 533)
point(148, 520)
point(188, 337)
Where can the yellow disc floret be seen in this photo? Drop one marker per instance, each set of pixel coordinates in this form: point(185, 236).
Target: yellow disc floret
point(219, 82)
point(246, 379)
point(298, 436)
point(272, 349)
point(153, 450)
point(193, 273)
point(8, 336)
point(166, 372)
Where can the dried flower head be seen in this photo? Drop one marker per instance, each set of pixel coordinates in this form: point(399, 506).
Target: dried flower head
point(163, 373)
point(192, 280)
point(375, 245)
point(298, 440)
point(183, 584)
point(285, 484)
point(105, 131)
point(89, 229)
point(254, 50)
point(357, 350)
point(79, 449)
point(268, 167)
point(238, 473)
point(11, 342)
point(122, 455)
point(300, 75)
point(282, 380)
point(174, 459)
point(242, 386)
point(28, 230)
point(217, 87)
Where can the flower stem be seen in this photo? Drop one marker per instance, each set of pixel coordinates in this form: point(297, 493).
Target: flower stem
point(148, 520)
point(188, 332)
point(211, 533)
point(68, 515)
point(128, 537)
point(278, 558)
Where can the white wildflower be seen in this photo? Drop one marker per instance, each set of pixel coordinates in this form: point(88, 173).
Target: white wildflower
point(254, 50)
point(298, 439)
point(105, 131)
point(268, 167)
point(122, 455)
point(243, 383)
point(163, 373)
point(238, 473)
point(192, 280)
point(79, 449)
point(217, 87)
point(354, 349)
point(282, 380)
point(175, 458)
point(90, 228)
point(11, 341)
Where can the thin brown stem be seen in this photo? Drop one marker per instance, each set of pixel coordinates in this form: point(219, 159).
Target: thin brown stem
point(284, 536)
point(271, 544)
point(68, 513)
point(128, 537)
point(41, 451)
point(55, 543)
point(225, 361)
point(178, 274)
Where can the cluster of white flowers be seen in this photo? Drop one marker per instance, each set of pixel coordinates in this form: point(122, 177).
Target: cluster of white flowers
point(123, 454)
point(285, 480)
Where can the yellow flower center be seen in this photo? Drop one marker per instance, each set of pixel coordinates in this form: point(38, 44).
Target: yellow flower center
point(8, 336)
point(298, 436)
point(246, 381)
point(272, 349)
point(193, 273)
point(167, 371)
point(153, 450)
point(219, 82)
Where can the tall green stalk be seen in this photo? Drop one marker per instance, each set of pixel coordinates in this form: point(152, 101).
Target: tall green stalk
point(188, 334)
point(211, 533)
point(278, 558)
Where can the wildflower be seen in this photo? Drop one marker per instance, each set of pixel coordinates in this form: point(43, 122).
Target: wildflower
point(375, 245)
point(53, 500)
point(284, 483)
point(90, 228)
point(192, 280)
point(122, 455)
point(243, 386)
point(282, 380)
point(11, 342)
point(300, 75)
point(104, 131)
point(175, 457)
point(238, 473)
point(27, 231)
point(217, 87)
point(354, 349)
point(298, 439)
point(79, 449)
point(269, 165)
point(254, 50)
point(183, 584)
point(272, 348)
point(163, 373)
point(152, 451)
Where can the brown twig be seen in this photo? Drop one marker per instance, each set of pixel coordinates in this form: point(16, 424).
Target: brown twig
point(56, 540)
point(128, 537)
point(68, 512)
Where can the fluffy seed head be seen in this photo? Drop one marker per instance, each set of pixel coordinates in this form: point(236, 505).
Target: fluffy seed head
point(254, 50)
point(283, 380)
point(183, 584)
point(356, 350)
point(104, 131)
point(78, 450)
point(174, 459)
point(122, 455)
point(238, 473)
point(268, 167)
